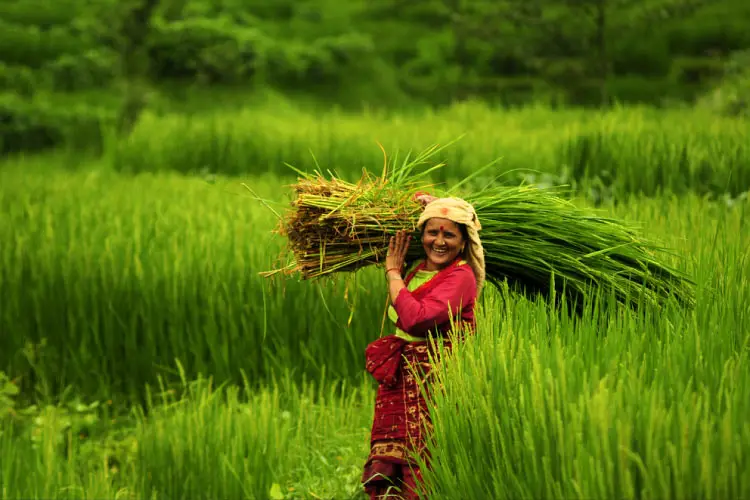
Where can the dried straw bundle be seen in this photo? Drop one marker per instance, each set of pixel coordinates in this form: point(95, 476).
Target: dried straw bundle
point(530, 235)
point(337, 226)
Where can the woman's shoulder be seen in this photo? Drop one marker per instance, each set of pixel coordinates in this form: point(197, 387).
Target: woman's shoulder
point(463, 270)
point(464, 265)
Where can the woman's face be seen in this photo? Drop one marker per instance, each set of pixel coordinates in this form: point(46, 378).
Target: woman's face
point(442, 242)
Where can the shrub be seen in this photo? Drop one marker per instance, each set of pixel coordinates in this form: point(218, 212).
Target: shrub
point(701, 70)
point(641, 56)
point(18, 79)
point(33, 46)
point(720, 27)
point(731, 96)
point(36, 125)
point(93, 68)
point(211, 50)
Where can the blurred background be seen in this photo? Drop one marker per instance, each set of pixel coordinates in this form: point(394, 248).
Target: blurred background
point(108, 59)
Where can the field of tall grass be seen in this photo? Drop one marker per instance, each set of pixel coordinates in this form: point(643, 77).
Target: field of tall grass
point(626, 150)
point(145, 358)
point(613, 153)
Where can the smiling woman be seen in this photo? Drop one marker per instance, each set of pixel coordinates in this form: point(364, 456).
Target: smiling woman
point(436, 297)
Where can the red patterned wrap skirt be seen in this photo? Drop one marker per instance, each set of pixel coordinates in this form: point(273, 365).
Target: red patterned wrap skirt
point(401, 419)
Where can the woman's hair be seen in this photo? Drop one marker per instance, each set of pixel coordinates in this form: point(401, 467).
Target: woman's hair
point(464, 231)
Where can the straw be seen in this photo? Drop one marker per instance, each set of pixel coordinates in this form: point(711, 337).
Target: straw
point(530, 236)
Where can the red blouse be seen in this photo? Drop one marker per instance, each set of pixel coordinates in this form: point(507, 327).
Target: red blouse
point(451, 293)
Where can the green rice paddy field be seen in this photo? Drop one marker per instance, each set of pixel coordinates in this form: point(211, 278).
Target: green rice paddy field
point(143, 357)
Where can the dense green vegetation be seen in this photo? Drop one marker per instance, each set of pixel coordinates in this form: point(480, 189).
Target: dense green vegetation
point(122, 285)
point(603, 154)
point(625, 151)
point(136, 279)
point(141, 354)
point(437, 49)
point(76, 72)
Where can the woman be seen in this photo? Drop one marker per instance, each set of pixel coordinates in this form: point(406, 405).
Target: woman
point(430, 299)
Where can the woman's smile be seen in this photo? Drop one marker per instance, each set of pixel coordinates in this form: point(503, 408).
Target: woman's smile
point(438, 253)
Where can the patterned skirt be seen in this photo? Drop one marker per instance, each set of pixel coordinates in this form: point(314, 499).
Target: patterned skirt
point(401, 419)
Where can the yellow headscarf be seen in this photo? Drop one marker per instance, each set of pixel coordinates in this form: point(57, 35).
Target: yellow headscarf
point(460, 212)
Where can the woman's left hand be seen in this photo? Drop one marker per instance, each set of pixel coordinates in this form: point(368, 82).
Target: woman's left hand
point(397, 250)
point(424, 199)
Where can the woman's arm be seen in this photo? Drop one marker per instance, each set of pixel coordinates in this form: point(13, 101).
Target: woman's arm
point(394, 263)
point(418, 316)
point(395, 284)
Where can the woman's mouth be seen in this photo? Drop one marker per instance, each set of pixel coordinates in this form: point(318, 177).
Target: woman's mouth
point(441, 251)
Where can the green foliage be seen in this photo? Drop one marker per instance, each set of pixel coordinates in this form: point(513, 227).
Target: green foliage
point(123, 275)
point(206, 45)
point(45, 15)
point(732, 95)
point(205, 305)
point(39, 124)
point(625, 150)
point(176, 446)
point(630, 150)
point(644, 57)
point(718, 28)
point(651, 161)
point(90, 69)
point(18, 79)
point(697, 71)
point(435, 51)
point(207, 49)
point(613, 406)
point(32, 46)
point(8, 392)
point(547, 406)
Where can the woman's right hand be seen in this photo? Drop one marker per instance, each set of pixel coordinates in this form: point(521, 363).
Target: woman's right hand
point(397, 250)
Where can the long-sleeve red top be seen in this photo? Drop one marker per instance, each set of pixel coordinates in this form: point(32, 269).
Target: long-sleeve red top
point(453, 297)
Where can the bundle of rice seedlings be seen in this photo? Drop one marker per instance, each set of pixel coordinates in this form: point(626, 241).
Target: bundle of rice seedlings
point(532, 236)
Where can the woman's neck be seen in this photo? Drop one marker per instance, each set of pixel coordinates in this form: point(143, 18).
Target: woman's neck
point(431, 266)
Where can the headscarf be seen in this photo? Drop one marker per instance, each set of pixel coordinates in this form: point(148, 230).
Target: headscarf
point(460, 212)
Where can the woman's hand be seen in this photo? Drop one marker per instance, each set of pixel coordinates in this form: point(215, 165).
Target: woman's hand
point(424, 198)
point(397, 249)
point(394, 263)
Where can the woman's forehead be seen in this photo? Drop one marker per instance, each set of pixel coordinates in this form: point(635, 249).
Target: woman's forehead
point(438, 222)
